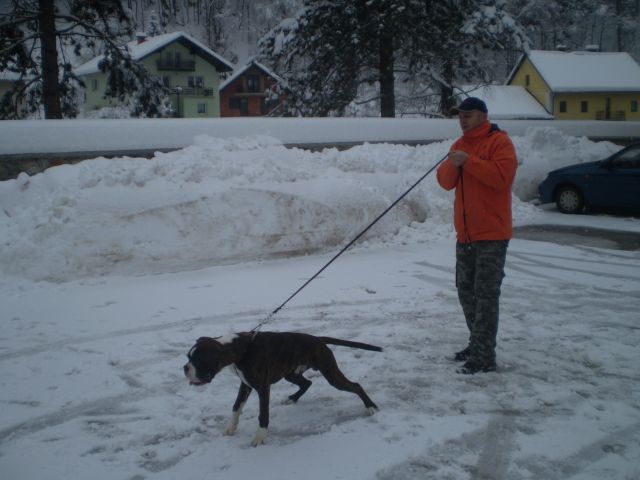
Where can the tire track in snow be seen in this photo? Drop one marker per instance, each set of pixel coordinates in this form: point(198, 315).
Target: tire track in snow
point(527, 259)
point(112, 405)
point(600, 253)
point(497, 444)
point(588, 455)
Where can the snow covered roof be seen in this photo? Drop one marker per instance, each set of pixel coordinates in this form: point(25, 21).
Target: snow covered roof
point(585, 71)
point(249, 64)
point(508, 102)
point(152, 44)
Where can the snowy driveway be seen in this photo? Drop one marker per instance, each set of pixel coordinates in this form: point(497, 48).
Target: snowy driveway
point(108, 277)
point(91, 381)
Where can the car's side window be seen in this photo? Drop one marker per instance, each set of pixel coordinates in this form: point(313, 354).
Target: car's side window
point(630, 159)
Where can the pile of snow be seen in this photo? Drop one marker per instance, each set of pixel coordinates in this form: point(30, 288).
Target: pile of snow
point(231, 200)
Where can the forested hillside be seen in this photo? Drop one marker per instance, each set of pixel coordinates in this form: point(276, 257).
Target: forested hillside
point(338, 57)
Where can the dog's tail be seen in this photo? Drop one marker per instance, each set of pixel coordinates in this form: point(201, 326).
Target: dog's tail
point(347, 343)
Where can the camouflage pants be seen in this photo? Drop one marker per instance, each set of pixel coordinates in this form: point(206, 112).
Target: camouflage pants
point(479, 274)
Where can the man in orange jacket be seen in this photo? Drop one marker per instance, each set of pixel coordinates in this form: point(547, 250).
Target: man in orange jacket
point(481, 167)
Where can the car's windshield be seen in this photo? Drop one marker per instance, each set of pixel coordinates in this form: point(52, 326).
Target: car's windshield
point(628, 159)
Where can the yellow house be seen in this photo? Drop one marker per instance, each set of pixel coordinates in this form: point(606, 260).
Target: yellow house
point(581, 85)
point(186, 66)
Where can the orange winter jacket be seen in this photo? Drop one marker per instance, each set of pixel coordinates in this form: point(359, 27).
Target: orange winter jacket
point(482, 206)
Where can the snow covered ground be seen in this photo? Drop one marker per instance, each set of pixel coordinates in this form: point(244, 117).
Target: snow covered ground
point(110, 269)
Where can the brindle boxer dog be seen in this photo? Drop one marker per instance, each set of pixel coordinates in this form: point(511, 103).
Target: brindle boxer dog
point(261, 359)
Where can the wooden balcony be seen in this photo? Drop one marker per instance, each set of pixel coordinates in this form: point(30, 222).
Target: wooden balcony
point(618, 115)
point(193, 92)
point(183, 65)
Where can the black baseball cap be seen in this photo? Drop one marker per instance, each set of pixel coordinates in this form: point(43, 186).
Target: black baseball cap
point(469, 104)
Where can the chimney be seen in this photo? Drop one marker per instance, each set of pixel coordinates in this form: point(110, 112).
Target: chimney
point(141, 37)
point(592, 48)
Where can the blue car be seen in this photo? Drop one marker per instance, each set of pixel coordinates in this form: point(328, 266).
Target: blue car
point(609, 184)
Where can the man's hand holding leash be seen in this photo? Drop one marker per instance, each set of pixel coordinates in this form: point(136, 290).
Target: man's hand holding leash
point(458, 158)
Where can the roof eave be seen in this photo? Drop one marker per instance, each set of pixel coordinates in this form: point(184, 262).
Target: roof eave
point(240, 72)
point(220, 64)
point(596, 90)
point(515, 68)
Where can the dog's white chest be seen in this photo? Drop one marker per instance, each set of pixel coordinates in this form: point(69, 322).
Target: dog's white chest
point(240, 375)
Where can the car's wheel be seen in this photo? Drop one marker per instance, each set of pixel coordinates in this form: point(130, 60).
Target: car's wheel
point(569, 199)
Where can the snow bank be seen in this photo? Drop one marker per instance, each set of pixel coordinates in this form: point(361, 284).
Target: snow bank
point(238, 199)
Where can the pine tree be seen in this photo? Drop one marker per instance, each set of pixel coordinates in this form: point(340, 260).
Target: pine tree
point(453, 42)
point(36, 38)
point(153, 24)
point(334, 46)
point(610, 25)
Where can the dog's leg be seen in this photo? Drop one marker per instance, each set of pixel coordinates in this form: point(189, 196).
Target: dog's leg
point(243, 394)
point(303, 383)
point(336, 378)
point(264, 393)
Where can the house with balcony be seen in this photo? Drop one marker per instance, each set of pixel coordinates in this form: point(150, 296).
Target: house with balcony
point(187, 67)
point(251, 92)
point(582, 85)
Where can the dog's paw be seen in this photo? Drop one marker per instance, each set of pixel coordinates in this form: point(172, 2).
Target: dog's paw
point(372, 410)
point(233, 423)
point(231, 427)
point(288, 401)
point(260, 438)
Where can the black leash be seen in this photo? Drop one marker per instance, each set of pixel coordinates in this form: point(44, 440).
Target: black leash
point(345, 248)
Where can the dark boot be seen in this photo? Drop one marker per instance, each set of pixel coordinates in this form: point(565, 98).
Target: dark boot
point(471, 368)
point(463, 355)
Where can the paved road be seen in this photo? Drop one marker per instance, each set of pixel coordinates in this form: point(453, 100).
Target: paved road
point(588, 236)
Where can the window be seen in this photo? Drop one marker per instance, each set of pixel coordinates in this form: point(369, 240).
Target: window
point(196, 82)
point(168, 59)
point(172, 60)
point(584, 106)
point(563, 107)
point(166, 81)
point(94, 84)
point(241, 104)
point(253, 83)
point(202, 107)
point(527, 80)
point(634, 106)
point(629, 159)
